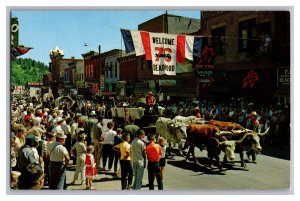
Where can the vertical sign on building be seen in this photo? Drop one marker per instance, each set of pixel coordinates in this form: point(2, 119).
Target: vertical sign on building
point(14, 30)
point(205, 67)
point(101, 84)
point(283, 77)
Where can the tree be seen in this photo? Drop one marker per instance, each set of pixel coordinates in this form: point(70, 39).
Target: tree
point(24, 70)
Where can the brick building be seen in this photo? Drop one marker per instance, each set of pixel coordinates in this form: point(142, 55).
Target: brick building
point(239, 39)
point(137, 70)
point(92, 72)
point(57, 68)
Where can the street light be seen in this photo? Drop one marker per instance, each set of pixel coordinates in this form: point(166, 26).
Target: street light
point(101, 81)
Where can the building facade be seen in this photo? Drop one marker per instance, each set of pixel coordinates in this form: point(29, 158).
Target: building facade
point(93, 68)
point(112, 70)
point(57, 67)
point(250, 47)
point(79, 77)
point(138, 72)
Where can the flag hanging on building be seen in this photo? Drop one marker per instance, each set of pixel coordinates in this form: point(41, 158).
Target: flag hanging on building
point(18, 51)
point(164, 50)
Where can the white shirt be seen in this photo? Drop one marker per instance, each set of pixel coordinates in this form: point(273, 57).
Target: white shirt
point(109, 137)
point(57, 152)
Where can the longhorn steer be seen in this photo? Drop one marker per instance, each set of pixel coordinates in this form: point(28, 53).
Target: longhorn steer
point(204, 135)
point(171, 131)
point(246, 139)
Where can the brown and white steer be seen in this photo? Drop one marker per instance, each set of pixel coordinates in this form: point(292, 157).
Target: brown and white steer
point(204, 135)
point(226, 126)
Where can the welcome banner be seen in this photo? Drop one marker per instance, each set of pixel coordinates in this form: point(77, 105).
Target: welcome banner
point(164, 50)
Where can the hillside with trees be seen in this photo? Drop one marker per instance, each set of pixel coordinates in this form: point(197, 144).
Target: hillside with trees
point(24, 70)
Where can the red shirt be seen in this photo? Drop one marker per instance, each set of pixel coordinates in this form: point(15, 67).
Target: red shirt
point(27, 119)
point(150, 100)
point(154, 152)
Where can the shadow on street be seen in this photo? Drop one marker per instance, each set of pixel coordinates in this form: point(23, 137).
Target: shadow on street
point(277, 151)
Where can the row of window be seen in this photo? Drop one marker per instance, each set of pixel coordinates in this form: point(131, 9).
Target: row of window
point(111, 70)
point(251, 36)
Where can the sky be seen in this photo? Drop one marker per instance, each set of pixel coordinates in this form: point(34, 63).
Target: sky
point(70, 30)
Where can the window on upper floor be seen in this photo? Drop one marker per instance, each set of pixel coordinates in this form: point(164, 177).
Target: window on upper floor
point(92, 72)
point(116, 69)
point(111, 70)
point(247, 34)
point(143, 63)
point(218, 40)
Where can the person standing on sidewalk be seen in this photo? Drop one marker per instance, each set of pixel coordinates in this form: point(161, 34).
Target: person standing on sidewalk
point(154, 153)
point(108, 143)
point(126, 168)
point(96, 133)
point(117, 155)
point(59, 160)
point(131, 128)
point(138, 158)
point(80, 148)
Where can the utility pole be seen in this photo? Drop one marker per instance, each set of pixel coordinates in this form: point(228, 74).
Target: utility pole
point(100, 71)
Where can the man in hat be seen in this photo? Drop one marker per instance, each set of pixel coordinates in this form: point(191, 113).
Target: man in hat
point(150, 103)
point(196, 112)
point(97, 139)
point(252, 124)
point(26, 153)
point(80, 148)
point(49, 139)
point(59, 160)
point(88, 125)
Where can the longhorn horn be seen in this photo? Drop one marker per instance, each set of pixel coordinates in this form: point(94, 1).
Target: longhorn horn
point(242, 139)
point(223, 133)
point(264, 133)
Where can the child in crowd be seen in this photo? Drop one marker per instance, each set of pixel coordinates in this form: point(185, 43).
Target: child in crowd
point(162, 161)
point(91, 169)
point(126, 167)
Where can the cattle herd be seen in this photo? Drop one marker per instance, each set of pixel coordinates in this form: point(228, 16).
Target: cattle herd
point(214, 136)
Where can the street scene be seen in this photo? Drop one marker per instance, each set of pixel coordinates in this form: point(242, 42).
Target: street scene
point(178, 101)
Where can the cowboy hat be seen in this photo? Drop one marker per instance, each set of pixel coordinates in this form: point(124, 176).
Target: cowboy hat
point(92, 113)
point(60, 134)
point(58, 119)
point(253, 113)
point(37, 120)
point(196, 108)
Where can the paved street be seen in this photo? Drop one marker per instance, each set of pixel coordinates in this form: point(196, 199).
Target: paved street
point(271, 173)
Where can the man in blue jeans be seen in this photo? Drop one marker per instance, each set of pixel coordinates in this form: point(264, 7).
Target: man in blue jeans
point(138, 159)
point(59, 160)
point(154, 153)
